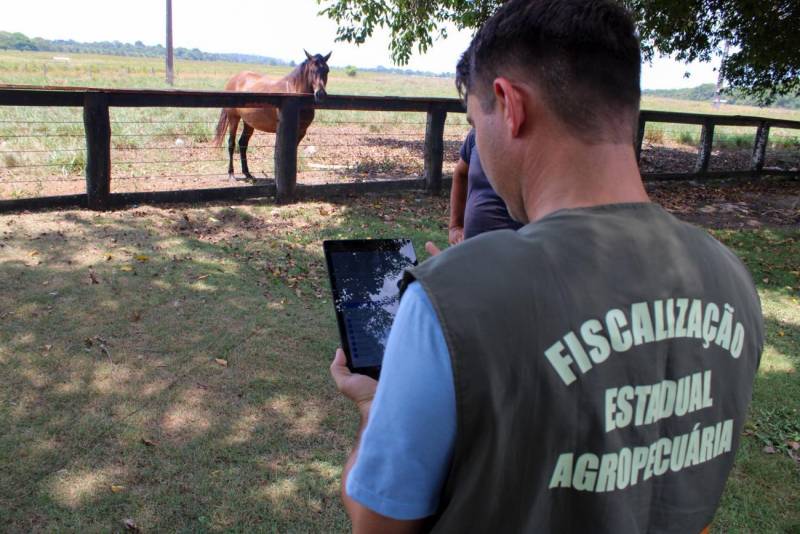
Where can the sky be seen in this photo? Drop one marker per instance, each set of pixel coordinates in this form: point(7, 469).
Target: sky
point(275, 28)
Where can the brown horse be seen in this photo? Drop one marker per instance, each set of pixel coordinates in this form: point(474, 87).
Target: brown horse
point(310, 76)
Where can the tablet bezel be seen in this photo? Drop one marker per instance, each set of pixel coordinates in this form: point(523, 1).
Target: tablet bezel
point(356, 246)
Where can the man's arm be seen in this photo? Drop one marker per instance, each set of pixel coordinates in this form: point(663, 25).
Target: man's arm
point(361, 390)
point(458, 202)
point(394, 476)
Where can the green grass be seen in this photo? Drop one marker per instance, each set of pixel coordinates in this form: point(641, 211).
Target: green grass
point(111, 71)
point(171, 141)
point(152, 145)
point(90, 371)
point(761, 495)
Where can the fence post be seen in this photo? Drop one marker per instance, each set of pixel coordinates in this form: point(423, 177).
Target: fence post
point(97, 125)
point(286, 150)
point(434, 148)
point(706, 143)
point(760, 148)
point(640, 138)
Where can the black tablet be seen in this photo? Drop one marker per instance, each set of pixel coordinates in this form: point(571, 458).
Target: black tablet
point(365, 277)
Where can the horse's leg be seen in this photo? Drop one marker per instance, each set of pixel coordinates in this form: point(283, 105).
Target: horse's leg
point(247, 132)
point(233, 127)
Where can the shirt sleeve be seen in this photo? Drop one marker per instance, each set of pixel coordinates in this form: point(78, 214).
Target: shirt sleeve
point(407, 447)
point(466, 148)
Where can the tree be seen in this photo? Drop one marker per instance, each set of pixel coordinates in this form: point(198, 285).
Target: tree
point(764, 57)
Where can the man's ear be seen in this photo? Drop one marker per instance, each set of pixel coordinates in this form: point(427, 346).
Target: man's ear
point(511, 100)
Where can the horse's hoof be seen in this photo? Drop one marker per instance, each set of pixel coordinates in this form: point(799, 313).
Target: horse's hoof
point(249, 177)
point(231, 177)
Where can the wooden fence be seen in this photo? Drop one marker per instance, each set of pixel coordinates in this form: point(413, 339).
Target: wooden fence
point(97, 125)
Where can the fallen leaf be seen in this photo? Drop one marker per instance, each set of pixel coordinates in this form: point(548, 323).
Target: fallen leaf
point(203, 277)
point(148, 442)
point(794, 445)
point(93, 278)
point(130, 525)
point(117, 489)
point(769, 449)
point(47, 348)
point(137, 315)
point(109, 257)
point(142, 258)
point(126, 268)
point(220, 361)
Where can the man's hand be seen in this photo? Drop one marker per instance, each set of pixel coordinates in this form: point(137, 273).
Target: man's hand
point(432, 249)
point(356, 387)
point(456, 235)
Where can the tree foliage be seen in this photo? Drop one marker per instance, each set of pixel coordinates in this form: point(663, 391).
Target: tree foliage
point(414, 24)
point(764, 57)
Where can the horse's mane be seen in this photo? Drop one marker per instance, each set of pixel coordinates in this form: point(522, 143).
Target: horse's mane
point(297, 78)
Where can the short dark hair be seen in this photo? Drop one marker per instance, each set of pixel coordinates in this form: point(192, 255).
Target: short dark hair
point(462, 73)
point(583, 54)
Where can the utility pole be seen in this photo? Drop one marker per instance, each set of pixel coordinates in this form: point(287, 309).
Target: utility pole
point(170, 60)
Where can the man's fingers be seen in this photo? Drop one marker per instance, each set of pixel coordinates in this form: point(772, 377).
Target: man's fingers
point(432, 249)
point(339, 366)
point(340, 358)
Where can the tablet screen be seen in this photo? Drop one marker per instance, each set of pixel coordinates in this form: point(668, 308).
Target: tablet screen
point(365, 278)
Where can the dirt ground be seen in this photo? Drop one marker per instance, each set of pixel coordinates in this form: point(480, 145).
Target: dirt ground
point(732, 204)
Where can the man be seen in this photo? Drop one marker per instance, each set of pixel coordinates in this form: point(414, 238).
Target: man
point(474, 206)
point(589, 372)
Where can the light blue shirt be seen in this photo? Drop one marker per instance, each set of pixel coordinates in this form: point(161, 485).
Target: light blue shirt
point(407, 447)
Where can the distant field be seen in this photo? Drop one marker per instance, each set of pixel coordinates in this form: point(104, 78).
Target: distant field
point(42, 150)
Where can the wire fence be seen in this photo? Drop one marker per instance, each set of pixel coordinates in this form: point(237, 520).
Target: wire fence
point(41, 155)
point(43, 152)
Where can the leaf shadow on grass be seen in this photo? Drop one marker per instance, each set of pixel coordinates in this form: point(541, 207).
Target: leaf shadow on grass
point(92, 371)
point(761, 493)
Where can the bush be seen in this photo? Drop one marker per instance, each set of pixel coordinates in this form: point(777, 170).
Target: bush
point(688, 138)
point(351, 71)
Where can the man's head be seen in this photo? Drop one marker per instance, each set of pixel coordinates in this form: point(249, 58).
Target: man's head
point(571, 66)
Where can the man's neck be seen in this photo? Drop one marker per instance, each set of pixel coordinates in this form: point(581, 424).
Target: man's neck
point(578, 175)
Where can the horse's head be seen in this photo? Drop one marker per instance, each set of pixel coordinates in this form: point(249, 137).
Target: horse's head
point(316, 74)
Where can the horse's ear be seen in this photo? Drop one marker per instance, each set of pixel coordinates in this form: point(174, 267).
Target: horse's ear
point(326, 58)
point(308, 56)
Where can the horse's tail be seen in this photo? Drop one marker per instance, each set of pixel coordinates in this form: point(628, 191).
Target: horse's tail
point(222, 127)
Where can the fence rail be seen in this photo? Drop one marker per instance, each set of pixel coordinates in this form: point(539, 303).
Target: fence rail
point(96, 104)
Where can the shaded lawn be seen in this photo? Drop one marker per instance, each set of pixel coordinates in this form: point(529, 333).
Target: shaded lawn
point(113, 404)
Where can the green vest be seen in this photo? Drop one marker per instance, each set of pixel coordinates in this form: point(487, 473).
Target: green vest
point(603, 361)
